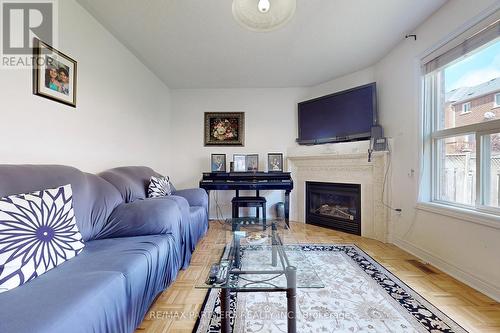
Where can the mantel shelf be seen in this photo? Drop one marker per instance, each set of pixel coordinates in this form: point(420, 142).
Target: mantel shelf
point(326, 156)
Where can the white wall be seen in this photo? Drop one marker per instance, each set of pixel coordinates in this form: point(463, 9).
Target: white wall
point(462, 248)
point(123, 110)
point(466, 250)
point(270, 126)
point(355, 79)
point(123, 118)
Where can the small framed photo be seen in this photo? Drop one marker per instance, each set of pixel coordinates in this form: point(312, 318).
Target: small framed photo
point(239, 163)
point(218, 162)
point(54, 74)
point(224, 128)
point(252, 162)
point(275, 162)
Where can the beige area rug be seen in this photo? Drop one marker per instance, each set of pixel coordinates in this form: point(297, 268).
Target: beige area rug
point(360, 295)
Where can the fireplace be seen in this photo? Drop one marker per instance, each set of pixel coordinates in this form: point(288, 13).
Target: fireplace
point(334, 205)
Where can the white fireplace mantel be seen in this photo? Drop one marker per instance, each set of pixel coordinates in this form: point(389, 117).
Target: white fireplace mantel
point(352, 168)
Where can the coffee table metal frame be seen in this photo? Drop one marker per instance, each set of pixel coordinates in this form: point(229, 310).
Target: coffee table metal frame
point(279, 259)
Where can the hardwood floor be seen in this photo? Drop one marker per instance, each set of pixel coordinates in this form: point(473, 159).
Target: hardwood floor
point(175, 310)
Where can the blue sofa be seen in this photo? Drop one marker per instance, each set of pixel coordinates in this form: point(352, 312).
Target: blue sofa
point(134, 247)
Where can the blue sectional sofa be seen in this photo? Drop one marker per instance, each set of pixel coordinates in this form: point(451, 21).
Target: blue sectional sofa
point(134, 247)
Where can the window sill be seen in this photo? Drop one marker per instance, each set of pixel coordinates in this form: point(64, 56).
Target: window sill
point(464, 214)
point(464, 113)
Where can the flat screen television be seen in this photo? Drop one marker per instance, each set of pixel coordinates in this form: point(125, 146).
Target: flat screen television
point(343, 116)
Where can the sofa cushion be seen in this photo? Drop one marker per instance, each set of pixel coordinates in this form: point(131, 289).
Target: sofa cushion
point(132, 182)
point(194, 196)
point(199, 224)
point(159, 187)
point(187, 245)
point(93, 198)
point(38, 232)
point(143, 217)
point(193, 226)
point(106, 288)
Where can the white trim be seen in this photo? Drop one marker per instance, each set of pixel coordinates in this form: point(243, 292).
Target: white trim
point(468, 278)
point(488, 126)
point(495, 104)
point(461, 213)
point(463, 108)
point(487, 16)
point(480, 170)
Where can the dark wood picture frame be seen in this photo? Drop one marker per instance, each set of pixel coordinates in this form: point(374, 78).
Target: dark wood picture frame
point(215, 166)
point(40, 64)
point(224, 129)
point(271, 166)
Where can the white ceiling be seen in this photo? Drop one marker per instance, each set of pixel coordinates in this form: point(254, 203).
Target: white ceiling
point(198, 44)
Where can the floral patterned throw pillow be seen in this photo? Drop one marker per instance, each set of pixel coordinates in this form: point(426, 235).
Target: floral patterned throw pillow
point(38, 232)
point(159, 187)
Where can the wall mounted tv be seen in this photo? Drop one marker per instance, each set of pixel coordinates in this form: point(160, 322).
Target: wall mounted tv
point(343, 116)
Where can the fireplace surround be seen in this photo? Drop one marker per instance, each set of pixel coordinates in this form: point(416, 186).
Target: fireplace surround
point(343, 166)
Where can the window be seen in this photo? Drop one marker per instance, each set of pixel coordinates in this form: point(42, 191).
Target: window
point(466, 107)
point(462, 153)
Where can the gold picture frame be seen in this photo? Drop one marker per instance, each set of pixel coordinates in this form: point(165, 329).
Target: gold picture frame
point(54, 74)
point(224, 129)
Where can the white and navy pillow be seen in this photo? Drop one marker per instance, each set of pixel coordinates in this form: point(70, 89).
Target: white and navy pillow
point(38, 232)
point(159, 187)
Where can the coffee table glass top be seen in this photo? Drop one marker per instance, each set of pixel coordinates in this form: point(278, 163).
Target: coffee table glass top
point(260, 255)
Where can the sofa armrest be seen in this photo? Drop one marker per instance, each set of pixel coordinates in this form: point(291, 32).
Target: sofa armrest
point(143, 217)
point(195, 197)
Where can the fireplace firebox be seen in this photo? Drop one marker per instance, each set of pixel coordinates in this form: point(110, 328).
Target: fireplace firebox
point(333, 205)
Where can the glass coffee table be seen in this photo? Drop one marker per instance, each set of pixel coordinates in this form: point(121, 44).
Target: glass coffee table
point(260, 256)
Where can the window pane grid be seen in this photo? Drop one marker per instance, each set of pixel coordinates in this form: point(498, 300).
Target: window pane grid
point(456, 170)
point(459, 162)
point(490, 170)
point(464, 133)
point(486, 127)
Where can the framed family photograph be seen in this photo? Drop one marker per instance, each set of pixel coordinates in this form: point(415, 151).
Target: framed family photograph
point(218, 163)
point(252, 162)
point(224, 128)
point(54, 74)
point(239, 163)
point(275, 162)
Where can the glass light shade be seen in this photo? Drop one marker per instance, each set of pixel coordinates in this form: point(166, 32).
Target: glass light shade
point(264, 5)
point(248, 14)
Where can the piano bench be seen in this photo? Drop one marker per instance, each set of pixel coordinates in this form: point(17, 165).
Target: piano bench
point(257, 202)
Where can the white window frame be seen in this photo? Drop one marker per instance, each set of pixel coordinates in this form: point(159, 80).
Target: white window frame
point(480, 130)
point(496, 100)
point(464, 111)
point(428, 196)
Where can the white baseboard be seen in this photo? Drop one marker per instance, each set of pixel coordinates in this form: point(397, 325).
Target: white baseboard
point(468, 278)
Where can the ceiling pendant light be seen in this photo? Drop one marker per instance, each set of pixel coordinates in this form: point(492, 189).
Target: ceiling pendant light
point(263, 15)
point(264, 6)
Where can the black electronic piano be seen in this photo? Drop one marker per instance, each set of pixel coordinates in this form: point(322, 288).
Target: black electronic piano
point(236, 181)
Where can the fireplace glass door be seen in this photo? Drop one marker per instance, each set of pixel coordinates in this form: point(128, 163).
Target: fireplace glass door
point(334, 205)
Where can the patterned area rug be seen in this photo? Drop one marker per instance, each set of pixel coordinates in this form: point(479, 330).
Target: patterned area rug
point(360, 295)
